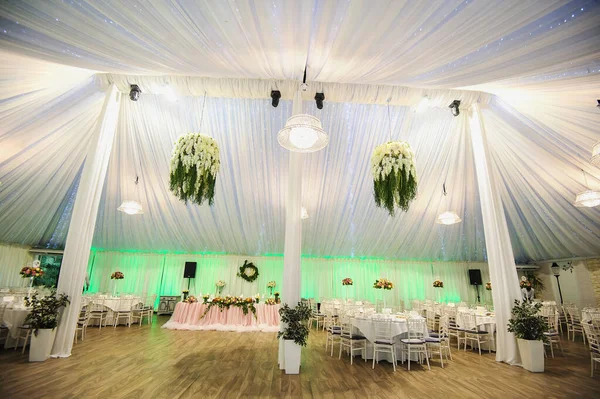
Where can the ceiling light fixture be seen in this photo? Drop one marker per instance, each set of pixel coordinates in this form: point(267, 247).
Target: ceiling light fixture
point(303, 214)
point(134, 92)
point(447, 217)
point(275, 96)
point(303, 133)
point(598, 104)
point(132, 207)
point(319, 98)
point(588, 198)
point(454, 107)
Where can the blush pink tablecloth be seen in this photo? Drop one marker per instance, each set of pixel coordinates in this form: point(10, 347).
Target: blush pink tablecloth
point(187, 317)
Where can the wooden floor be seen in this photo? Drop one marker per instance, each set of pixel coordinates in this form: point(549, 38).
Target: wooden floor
point(150, 362)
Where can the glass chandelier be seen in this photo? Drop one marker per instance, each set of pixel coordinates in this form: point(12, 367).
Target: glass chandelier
point(588, 198)
point(448, 217)
point(131, 207)
point(303, 133)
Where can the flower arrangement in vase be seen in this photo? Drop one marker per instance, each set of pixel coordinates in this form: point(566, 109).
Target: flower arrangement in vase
point(383, 283)
point(205, 298)
point(220, 284)
point(270, 301)
point(277, 300)
point(257, 298)
point(524, 283)
point(190, 299)
point(270, 285)
point(185, 294)
point(194, 166)
point(117, 276)
point(438, 284)
point(394, 175)
point(488, 286)
point(32, 271)
point(347, 281)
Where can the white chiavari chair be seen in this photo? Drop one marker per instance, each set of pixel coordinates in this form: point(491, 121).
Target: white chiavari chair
point(474, 334)
point(123, 311)
point(553, 335)
point(593, 339)
point(574, 325)
point(3, 327)
point(333, 333)
point(315, 316)
point(83, 321)
point(98, 311)
point(351, 342)
point(440, 343)
point(384, 342)
point(415, 343)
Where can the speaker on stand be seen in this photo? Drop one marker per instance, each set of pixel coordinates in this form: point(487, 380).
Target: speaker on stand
point(189, 271)
point(475, 279)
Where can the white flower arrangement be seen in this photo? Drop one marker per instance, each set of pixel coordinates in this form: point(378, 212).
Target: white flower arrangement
point(194, 166)
point(394, 175)
point(220, 283)
point(271, 284)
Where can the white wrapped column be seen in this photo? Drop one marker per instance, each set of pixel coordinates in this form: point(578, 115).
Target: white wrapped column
point(501, 260)
point(83, 221)
point(293, 230)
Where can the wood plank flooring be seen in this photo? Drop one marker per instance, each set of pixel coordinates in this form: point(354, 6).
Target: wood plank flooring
point(150, 362)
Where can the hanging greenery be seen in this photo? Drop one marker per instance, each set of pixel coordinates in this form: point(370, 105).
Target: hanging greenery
point(194, 168)
point(394, 175)
point(248, 271)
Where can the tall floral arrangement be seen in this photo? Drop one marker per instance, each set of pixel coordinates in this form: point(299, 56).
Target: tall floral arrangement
point(117, 276)
point(347, 281)
point(270, 285)
point(524, 283)
point(194, 166)
point(394, 175)
point(32, 271)
point(438, 284)
point(383, 283)
point(220, 284)
point(488, 286)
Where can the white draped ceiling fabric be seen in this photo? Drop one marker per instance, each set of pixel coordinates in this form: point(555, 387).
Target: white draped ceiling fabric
point(533, 67)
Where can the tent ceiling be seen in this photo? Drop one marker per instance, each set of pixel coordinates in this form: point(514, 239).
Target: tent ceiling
point(540, 127)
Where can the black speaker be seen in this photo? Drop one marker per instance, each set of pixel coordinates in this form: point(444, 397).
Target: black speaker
point(475, 276)
point(190, 270)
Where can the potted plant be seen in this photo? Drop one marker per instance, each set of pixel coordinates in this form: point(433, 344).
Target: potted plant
point(294, 334)
point(43, 319)
point(529, 328)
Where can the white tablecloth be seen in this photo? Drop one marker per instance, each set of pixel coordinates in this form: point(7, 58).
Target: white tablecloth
point(13, 319)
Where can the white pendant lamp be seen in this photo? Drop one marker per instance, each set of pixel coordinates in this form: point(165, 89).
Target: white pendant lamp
point(303, 133)
point(131, 207)
point(588, 198)
point(448, 217)
point(303, 214)
point(596, 155)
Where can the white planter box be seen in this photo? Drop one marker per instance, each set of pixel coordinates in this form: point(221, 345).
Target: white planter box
point(292, 357)
point(532, 355)
point(41, 345)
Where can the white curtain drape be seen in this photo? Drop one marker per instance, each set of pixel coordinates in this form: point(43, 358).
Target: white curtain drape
point(12, 259)
point(81, 229)
point(503, 272)
point(321, 278)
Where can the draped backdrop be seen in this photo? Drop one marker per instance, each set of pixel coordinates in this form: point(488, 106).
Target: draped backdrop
point(321, 277)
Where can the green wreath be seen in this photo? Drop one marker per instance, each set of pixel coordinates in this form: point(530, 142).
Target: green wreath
point(248, 271)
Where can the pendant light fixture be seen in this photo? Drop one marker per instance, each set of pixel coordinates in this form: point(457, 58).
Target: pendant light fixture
point(588, 198)
point(131, 207)
point(303, 214)
point(303, 132)
point(448, 217)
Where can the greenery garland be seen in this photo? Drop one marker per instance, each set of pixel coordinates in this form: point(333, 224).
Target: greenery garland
point(246, 304)
point(194, 166)
point(253, 271)
point(394, 175)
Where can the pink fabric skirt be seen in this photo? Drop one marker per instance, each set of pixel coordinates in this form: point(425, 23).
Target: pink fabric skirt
point(187, 317)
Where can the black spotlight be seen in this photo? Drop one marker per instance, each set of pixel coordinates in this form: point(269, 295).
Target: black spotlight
point(275, 95)
point(134, 92)
point(454, 107)
point(319, 98)
point(598, 104)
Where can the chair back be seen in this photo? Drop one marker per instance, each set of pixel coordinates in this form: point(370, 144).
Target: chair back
point(124, 304)
point(346, 331)
point(2, 310)
point(444, 326)
point(97, 305)
point(383, 330)
point(415, 328)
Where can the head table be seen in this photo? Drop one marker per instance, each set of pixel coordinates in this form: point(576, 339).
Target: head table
point(187, 317)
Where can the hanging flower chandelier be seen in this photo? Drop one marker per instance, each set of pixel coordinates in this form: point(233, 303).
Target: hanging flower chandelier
point(303, 133)
point(194, 168)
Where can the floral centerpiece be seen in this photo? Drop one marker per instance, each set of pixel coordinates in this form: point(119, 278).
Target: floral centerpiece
point(32, 271)
point(220, 284)
point(394, 175)
point(190, 299)
point(438, 284)
point(246, 304)
point(347, 281)
point(270, 285)
point(270, 301)
point(117, 276)
point(205, 298)
point(257, 298)
point(524, 283)
point(383, 283)
point(488, 286)
point(194, 166)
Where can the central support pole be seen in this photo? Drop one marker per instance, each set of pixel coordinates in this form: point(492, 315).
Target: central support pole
point(83, 221)
point(293, 230)
point(501, 260)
